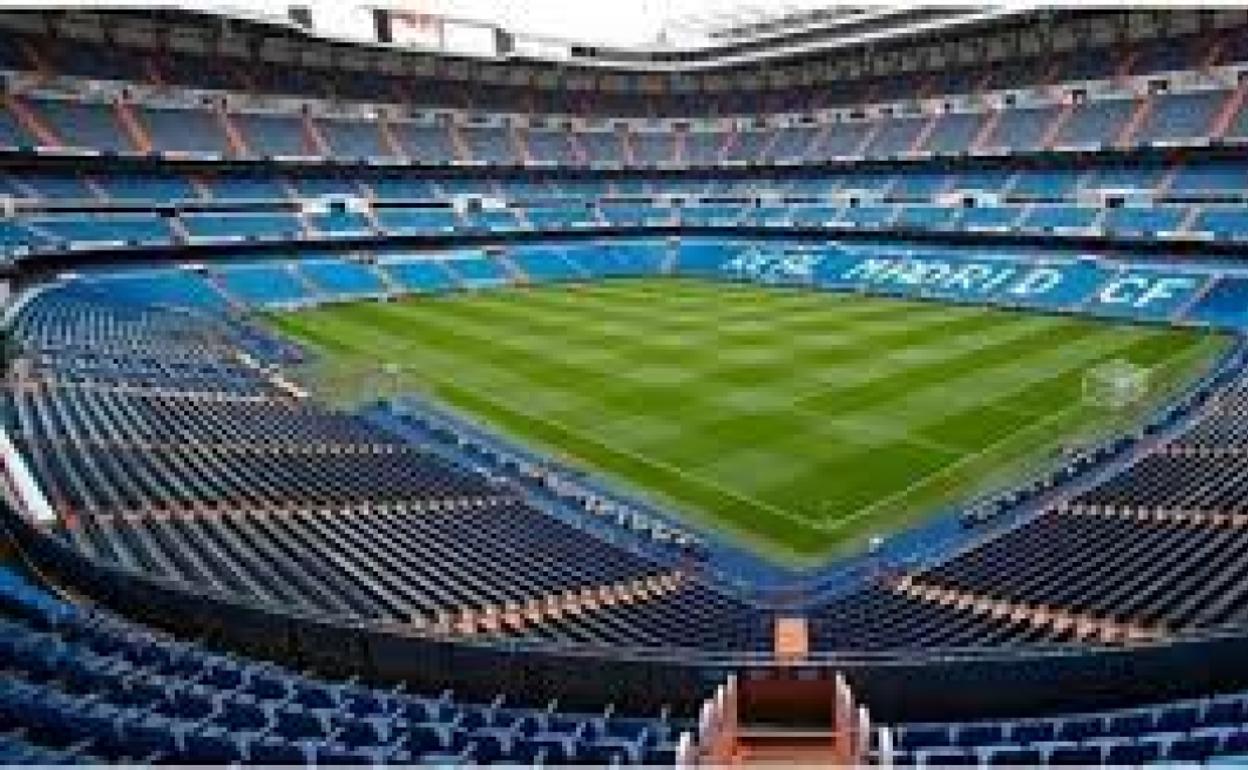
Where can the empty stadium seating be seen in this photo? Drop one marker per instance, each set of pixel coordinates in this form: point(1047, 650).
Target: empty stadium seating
point(171, 444)
point(241, 493)
point(86, 686)
point(1190, 731)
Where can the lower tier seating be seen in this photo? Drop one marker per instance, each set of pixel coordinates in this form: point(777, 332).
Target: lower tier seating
point(166, 448)
point(82, 685)
point(1185, 732)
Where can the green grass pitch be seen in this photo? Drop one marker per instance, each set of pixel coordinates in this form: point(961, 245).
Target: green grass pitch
point(803, 422)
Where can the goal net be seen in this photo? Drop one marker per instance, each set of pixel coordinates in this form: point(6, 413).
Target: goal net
point(1116, 384)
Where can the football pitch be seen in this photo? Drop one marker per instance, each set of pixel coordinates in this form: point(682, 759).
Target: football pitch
point(802, 422)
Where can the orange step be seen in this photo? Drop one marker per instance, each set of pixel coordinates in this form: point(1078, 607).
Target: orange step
point(140, 140)
point(31, 122)
point(238, 145)
point(626, 147)
point(780, 747)
point(986, 130)
point(925, 133)
point(1133, 125)
point(389, 140)
point(1056, 125)
point(313, 139)
point(1229, 110)
point(462, 151)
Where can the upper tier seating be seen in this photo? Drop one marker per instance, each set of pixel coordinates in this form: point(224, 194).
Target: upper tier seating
point(272, 135)
point(424, 143)
point(1096, 123)
point(1087, 123)
point(896, 137)
point(109, 59)
point(602, 146)
point(11, 132)
point(1181, 116)
point(553, 147)
point(354, 138)
point(654, 148)
point(184, 130)
point(80, 124)
point(489, 145)
point(953, 133)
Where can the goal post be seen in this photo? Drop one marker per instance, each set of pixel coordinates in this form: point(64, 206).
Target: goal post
point(1116, 384)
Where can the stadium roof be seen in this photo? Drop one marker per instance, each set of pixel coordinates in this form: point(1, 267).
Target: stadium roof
point(632, 24)
point(654, 35)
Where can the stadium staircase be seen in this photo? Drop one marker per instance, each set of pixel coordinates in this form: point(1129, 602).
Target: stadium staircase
point(31, 122)
point(302, 278)
point(783, 720)
point(680, 139)
point(817, 139)
point(217, 284)
point(389, 140)
point(628, 153)
point(924, 134)
point(986, 129)
point(392, 286)
point(237, 143)
point(97, 190)
point(1139, 116)
point(178, 228)
point(307, 228)
point(463, 152)
point(313, 139)
point(369, 212)
point(201, 188)
point(519, 145)
point(1056, 124)
point(42, 67)
point(134, 130)
point(522, 218)
point(151, 71)
point(767, 147)
point(728, 144)
point(514, 271)
point(1230, 109)
point(868, 137)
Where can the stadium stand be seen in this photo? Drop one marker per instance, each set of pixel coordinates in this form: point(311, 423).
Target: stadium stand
point(176, 451)
point(83, 685)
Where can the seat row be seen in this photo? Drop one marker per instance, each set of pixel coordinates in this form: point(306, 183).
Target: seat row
point(125, 127)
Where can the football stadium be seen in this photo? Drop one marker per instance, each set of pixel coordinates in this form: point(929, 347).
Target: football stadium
point(795, 384)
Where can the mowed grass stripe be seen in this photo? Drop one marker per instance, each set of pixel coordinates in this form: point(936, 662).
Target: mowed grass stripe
point(956, 403)
point(768, 411)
